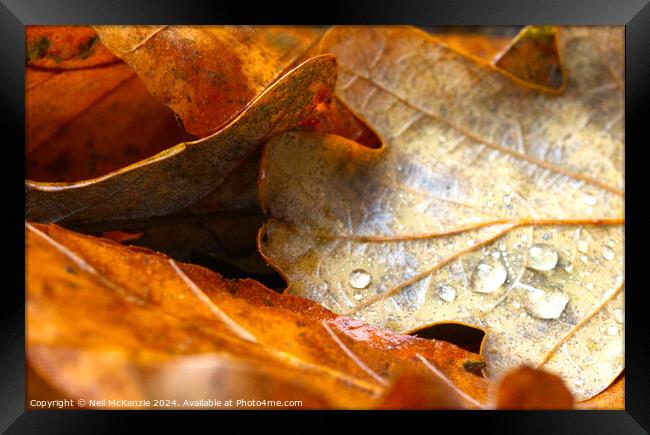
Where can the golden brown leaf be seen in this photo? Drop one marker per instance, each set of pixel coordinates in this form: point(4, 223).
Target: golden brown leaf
point(483, 46)
point(188, 174)
point(86, 122)
point(492, 204)
point(86, 112)
point(107, 321)
point(209, 73)
point(533, 57)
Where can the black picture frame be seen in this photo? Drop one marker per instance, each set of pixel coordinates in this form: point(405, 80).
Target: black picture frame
point(633, 14)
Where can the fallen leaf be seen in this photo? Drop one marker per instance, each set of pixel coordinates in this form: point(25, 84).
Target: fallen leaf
point(187, 174)
point(90, 116)
point(486, 47)
point(143, 326)
point(210, 73)
point(88, 124)
point(413, 392)
point(65, 47)
point(523, 388)
point(532, 56)
point(121, 236)
point(492, 204)
point(612, 398)
point(528, 388)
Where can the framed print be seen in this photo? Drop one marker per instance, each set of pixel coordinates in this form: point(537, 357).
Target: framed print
point(375, 208)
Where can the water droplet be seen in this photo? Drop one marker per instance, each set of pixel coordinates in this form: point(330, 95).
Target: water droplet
point(589, 200)
point(618, 315)
point(357, 296)
point(516, 304)
point(584, 258)
point(612, 330)
point(608, 253)
point(611, 243)
point(589, 286)
point(490, 203)
point(400, 168)
point(489, 275)
point(569, 267)
point(578, 382)
point(359, 278)
point(542, 257)
point(547, 305)
point(524, 237)
point(470, 242)
point(507, 200)
point(506, 188)
point(582, 246)
point(446, 292)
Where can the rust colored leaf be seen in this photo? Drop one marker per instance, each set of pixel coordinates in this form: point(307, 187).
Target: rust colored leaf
point(65, 47)
point(210, 73)
point(88, 122)
point(492, 204)
point(121, 236)
point(188, 174)
point(529, 388)
point(523, 388)
point(533, 56)
point(146, 327)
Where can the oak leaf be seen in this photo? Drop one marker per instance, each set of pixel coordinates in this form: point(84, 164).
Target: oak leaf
point(210, 73)
point(106, 321)
point(88, 116)
point(493, 203)
point(188, 174)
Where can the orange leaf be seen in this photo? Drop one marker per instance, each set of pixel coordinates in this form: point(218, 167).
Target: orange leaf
point(143, 327)
point(529, 388)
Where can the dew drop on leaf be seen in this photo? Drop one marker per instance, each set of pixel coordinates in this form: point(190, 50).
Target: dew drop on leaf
point(489, 275)
point(446, 292)
point(589, 200)
point(546, 305)
point(608, 253)
point(618, 315)
point(359, 278)
point(542, 257)
point(582, 246)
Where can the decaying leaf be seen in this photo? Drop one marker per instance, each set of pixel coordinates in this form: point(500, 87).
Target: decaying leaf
point(486, 47)
point(528, 388)
point(106, 321)
point(187, 173)
point(210, 73)
point(533, 57)
point(521, 388)
point(492, 204)
point(87, 117)
point(65, 47)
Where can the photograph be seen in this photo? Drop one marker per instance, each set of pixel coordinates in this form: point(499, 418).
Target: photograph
point(310, 217)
